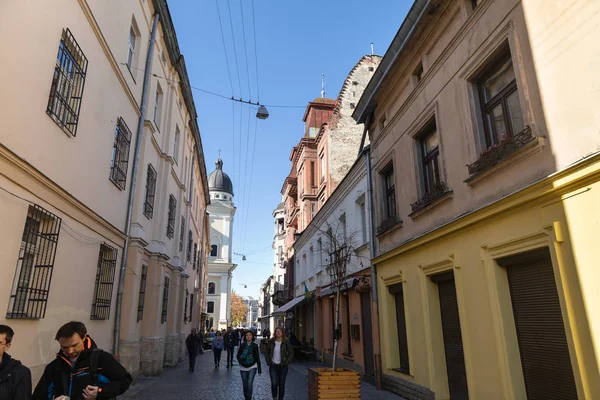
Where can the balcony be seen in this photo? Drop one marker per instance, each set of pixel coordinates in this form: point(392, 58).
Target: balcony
point(389, 225)
point(279, 298)
point(439, 192)
point(498, 152)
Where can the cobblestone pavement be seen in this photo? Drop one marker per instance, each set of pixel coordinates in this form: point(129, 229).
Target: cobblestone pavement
point(220, 384)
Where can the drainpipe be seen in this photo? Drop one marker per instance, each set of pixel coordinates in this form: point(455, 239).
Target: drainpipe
point(372, 251)
point(138, 145)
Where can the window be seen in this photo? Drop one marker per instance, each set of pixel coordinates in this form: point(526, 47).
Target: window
point(120, 154)
point(171, 217)
point(430, 152)
point(389, 191)
point(105, 277)
point(382, 123)
point(474, 4)
point(311, 258)
point(363, 220)
point(343, 226)
point(191, 306)
point(418, 73)
point(158, 106)
point(214, 250)
point(31, 285)
point(163, 58)
point(313, 209)
point(322, 167)
point(165, 303)
point(313, 182)
point(348, 331)
point(181, 233)
point(150, 191)
point(66, 91)
point(185, 307)
point(180, 104)
point(176, 144)
point(499, 99)
point(189, 247)
point(320, 250)
point(195, 255)
point(142, 294)
point(397, 291)
point(210, 307)
point(131, 47)
point(212, 288)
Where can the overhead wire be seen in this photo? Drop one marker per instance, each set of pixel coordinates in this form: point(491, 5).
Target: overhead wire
point(246, 50)
point(255, 52)
point(224, 49)
point(251, 174)
point(237, 67)
point(246, 185)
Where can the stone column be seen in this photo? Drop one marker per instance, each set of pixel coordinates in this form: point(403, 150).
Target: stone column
point(224, 302)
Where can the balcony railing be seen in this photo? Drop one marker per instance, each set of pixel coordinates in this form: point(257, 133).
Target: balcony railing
point(279, 298)
point(388, 224)
point(493, 155)
point(439, 190)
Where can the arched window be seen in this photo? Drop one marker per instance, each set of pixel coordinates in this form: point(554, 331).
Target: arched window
point(214, 249)
point(210, 307)
point(211, 288)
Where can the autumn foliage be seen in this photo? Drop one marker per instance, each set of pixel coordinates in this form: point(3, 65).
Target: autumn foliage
point(238, 309)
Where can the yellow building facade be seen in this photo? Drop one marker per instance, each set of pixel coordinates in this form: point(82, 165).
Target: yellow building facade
point(485, 170)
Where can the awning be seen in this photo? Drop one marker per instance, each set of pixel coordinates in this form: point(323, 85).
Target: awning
point(328, 291)
point(289, 305)
point(265, 316)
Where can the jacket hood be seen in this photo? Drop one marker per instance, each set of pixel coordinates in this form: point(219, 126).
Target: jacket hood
point(88, 345)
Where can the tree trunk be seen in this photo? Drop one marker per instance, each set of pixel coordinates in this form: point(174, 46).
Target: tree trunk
point(335, 332)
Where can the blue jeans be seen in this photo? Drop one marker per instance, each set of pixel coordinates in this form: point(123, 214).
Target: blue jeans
point(247, 382)
point(278, 375)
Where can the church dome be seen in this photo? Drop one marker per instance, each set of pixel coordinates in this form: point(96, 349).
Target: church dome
point(218, 180)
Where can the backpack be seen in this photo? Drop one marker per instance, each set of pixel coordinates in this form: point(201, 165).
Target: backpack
point(94, 369)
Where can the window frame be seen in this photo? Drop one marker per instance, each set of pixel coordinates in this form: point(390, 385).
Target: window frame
point(182, 234)
point(165, 302)
point(142, 292)
point(214, 248)
point(208, 304)
point(214, 287)
point(151, 178)
point(171, 217)
point(426, 159)
point(131, 47)
point(120, 154)
point(176, 144)
point(158, 106)
point(397, 292)
point(103, 289)
point(389, 192)
point(491, 138)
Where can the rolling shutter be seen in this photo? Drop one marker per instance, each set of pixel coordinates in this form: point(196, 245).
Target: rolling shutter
point(540, 331)
point(453, 345)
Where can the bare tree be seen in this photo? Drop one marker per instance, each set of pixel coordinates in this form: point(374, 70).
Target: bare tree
point(338, 247)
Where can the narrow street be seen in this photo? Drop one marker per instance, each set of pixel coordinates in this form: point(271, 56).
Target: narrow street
point(220, 384)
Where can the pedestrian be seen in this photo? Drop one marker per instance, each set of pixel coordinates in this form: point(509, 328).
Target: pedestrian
point(81, 370)
point(279, 356)
point(217, 347)
point(249, 359)
point(193, 344)
point(15, 378)
point(231, 340)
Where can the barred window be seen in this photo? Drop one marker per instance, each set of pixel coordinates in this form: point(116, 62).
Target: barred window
point(185, 307)
point(165, 303)
point(171, 217)
point(191, 306)
point(105, 277)
point(31, 284)
point(195, 255)
point(189, 247)
point(142, 294)
point(181, 233)
point(150, 191)
point(120, 154)
point(66, 91)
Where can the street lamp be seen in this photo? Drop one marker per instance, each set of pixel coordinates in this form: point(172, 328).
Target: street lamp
point(243, 256)
point(262, 113)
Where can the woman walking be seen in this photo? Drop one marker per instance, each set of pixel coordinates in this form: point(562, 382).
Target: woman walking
point(217, 347)
point(280, 354)
point(249, 359)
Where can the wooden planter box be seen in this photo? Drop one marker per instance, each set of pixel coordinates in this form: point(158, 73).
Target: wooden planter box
point(342, 384)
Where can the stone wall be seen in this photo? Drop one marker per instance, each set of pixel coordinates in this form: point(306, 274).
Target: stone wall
point(171, 350)
point(152, 353)
point(129, 356)
point(182, 348)
point(406, 389)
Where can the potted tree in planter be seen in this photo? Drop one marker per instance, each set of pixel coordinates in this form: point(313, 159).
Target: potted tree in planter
point(335, 383)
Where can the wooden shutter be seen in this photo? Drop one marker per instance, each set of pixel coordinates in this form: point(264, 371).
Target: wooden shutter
point(453, 345)
point(541, 335)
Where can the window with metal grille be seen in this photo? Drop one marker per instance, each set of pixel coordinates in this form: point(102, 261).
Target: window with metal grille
point(189, 247)
point(105, 277)
point(64, 102)
point(165, 303)
point(185, 307)
point(142, 294)
point(150, 191)
point(181, 233)
point(191, 306)
point(210, 307)
point(195, 255)
point(171, 217)
point(33, 275)
point(120, 154)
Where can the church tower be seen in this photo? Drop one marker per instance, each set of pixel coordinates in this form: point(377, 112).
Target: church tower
point(220, 260)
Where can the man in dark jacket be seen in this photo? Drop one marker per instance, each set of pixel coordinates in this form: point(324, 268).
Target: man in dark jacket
point(15, 378)
point(231, 340)
point(193, 344)
point(81, 371)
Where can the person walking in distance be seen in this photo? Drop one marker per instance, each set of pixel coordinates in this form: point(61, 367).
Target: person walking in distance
point(231, 340)
point(279, 356)
point(217, 347)
point(15, 378)
point(249, 359)
point(193, 344)
point(81, 370)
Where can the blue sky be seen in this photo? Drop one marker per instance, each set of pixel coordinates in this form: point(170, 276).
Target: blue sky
point(296, 42)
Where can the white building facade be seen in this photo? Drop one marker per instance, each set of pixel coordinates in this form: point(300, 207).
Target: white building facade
point(220, 266)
